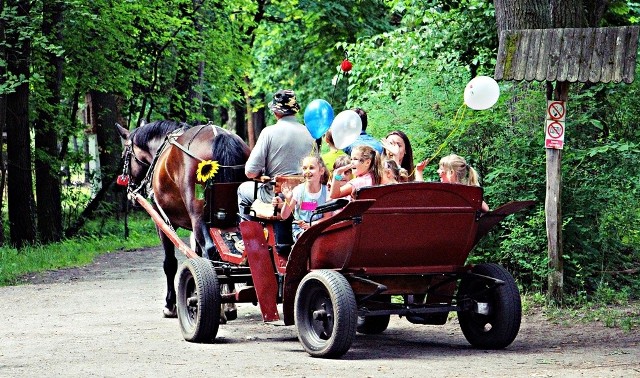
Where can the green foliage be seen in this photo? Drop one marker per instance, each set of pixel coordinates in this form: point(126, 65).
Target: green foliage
point(299, 49)
point(418, 90)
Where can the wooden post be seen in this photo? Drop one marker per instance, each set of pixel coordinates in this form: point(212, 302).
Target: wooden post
point(553, 209)
point(554, 225)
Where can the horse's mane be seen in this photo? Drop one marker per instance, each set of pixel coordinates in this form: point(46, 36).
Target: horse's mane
point(141, 136)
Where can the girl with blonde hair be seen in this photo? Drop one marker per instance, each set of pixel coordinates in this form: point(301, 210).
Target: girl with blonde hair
point(454, 169)
point(366, 167)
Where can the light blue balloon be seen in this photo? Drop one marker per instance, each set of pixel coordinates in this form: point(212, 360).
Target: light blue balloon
point(318, 116)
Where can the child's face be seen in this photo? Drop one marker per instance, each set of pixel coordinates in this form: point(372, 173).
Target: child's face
point(360, 165)
point(311, 170)
point(444, 175)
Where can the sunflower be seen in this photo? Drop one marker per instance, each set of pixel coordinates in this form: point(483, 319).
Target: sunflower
point(206, 170)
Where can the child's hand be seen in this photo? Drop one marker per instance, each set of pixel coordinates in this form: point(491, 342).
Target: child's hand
point(420, 166)
point(343, 169)
point(287, 191)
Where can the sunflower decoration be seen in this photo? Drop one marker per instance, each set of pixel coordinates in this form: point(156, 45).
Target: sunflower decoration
point(207, 169)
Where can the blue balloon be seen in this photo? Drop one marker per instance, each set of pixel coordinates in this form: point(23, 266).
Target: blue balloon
point(318, 116)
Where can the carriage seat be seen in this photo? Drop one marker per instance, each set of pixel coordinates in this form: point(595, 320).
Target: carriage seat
point(422, 224)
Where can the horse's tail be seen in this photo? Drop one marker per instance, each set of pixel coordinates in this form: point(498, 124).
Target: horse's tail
point(231, 153)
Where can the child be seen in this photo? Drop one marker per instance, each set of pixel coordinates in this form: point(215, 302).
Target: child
point(341, 161)
point(390, 172)
point(304, 198)
point(334, 153)
point(455, 170)
point(365, 166)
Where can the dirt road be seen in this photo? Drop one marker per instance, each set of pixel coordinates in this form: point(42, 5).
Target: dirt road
point(105, 320)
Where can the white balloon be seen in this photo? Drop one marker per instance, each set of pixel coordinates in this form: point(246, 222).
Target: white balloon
point(481, 93)
point(345, 128)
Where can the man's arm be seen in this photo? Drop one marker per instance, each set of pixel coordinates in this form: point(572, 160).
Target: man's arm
point(256, 162)
point(252, 175)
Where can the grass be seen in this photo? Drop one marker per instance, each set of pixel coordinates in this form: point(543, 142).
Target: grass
point(619, 311)
point(98, 237)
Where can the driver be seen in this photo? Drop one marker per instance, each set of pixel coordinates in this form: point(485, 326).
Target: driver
point(278, 151)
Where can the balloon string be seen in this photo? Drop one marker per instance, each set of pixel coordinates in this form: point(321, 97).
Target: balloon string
point(457, 121)
point(336, 85)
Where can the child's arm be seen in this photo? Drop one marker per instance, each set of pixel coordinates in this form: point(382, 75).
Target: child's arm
point(289, 202)
point(338, 191)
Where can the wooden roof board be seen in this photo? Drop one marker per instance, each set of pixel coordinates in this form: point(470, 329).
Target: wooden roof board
point(554, 53)
point(588, 40)
point(530, 73)
point(597, 55)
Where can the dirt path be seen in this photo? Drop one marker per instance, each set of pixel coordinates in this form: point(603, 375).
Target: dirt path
point(105, 320)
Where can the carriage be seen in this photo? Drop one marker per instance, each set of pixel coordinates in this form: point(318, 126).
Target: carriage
point(395, 250)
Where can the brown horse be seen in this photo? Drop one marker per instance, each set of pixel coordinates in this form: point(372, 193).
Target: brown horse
point(154, 155)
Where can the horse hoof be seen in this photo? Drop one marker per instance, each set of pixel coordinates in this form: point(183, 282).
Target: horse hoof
point(223, 320)
point(170, 313)
point(231, 314)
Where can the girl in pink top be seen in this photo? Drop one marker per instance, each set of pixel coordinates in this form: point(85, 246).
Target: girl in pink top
point(366, 168)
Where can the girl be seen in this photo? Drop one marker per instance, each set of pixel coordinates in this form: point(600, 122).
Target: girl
point(392, 173)
point(304, 198)
point(365, 166)
point(341, 161)
point(398, 147)
point(454, 169)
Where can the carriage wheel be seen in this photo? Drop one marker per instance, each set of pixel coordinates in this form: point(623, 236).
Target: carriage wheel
point(375, 324)
point(198, 300)
point(325, 314)
point(500, 326)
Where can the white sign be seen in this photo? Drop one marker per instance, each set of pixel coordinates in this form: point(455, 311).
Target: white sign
point(554, 134)
point(556, 110)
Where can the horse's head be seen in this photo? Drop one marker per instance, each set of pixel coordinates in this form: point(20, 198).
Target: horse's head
point(141, 145)
point(136, 161)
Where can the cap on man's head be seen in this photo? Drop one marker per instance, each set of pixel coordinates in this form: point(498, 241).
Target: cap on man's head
point(284, 102)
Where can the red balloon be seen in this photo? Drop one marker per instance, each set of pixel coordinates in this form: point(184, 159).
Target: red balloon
point(123, 180)
point(346, 65)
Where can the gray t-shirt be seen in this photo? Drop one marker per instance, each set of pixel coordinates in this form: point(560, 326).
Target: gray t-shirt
point(280, 148)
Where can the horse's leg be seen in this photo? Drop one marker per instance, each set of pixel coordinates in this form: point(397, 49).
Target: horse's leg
point(170, 266)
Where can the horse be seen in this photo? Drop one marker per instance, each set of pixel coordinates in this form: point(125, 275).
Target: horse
point(155, 154)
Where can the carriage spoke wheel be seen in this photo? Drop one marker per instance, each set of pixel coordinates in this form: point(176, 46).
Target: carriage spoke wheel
point(498, 328)
point(325, 314)
point(198, 300)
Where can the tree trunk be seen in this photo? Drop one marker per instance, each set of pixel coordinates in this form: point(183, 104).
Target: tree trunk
point(20, 184)
point(46, 135)
point(3, 124)
point(241, 126)
point(104, 115)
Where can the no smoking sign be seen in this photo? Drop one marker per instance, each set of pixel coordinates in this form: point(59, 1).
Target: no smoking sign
point(554, 130)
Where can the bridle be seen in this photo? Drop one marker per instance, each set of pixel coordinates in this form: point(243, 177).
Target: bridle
point(128, 154)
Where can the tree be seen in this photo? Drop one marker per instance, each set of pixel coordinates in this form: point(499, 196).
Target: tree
point(49, 204)
point(20, 196)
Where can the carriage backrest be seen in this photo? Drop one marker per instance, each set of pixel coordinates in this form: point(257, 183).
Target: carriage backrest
point(221, 205)
point(416, 224)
